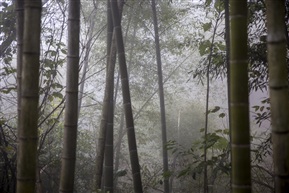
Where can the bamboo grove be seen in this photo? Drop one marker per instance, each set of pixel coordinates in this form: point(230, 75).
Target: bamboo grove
point(229, 153)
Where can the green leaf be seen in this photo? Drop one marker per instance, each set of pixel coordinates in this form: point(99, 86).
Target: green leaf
point(262, 108)
point(184, 172)
point(217, 108)
point(207, 26)
point(175, 150)
point(222, 115)
point(56, 85)
point(49, 63)
point(218, 5)
point(256, 107)
point(222, 143)
point(4, 4)
point(7, 90)
point(53, 53)
point(208, 3)
point(221, 47)
point(121, 173)
point(63, 51)
point(226, 131)
point(57, 94)
point(203, 48)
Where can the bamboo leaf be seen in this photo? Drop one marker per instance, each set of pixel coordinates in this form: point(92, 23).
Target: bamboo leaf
point(207, 26)
point(222, 115)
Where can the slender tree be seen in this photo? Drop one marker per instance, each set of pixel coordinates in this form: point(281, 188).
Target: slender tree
point(71, 103)
point(126, 99)
point(240, 128)
point(121, 131)
point(161, 97)
point(105, 139)
point(27, 131)
point(111, 53)
point(278, 83)
point(227, 41)
point(102, 129)
point(206, 189)
point(19, 35)
point(108, 166)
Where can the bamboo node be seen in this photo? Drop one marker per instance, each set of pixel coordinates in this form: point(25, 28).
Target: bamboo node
point(241, 186)
point(240, 145)
point(68, 158)
point(27, 138)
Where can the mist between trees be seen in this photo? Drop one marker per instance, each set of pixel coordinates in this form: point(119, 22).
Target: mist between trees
point(144, 96)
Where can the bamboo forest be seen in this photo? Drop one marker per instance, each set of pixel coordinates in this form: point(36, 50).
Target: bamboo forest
point(144, 96)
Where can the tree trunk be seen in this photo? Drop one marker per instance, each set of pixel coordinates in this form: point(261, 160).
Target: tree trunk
point(118, 147)
point(206, 189)
point(227, 41)
point(19, 36)
point(39, 188)
point(20, 30)
point(106, 125)
point(278, 83)
point(71, 103)
point(27, 131)
point(126, 99)
point(162, 99)
point(111, 51)
point(121, 132)
point(240, 128)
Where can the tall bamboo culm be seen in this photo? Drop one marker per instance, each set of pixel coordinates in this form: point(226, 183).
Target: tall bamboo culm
point(71, 103)
point(278, 83)
point(109, 91)
point(20, 30)
point(239, 100)
point(27, 130)
point(126, 98)
point(161, 97)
